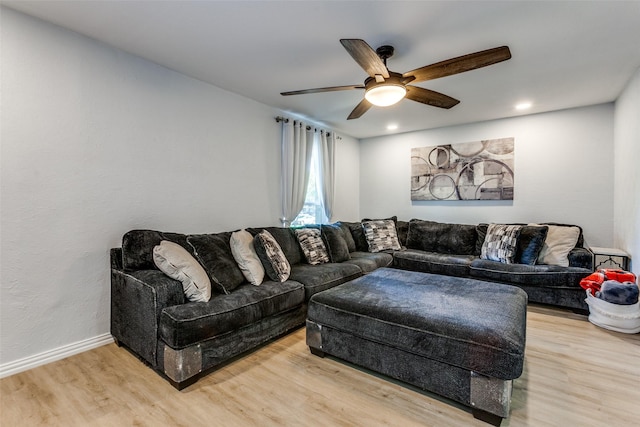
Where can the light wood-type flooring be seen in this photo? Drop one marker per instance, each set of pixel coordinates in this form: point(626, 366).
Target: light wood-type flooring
point(575, 375)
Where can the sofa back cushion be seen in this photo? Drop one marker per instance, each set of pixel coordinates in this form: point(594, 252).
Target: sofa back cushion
point(348, 237)
point(357, 234)
point(213, 252)
point(137, 247)
point(402, 228)
point(336, 244)
point(430, 236)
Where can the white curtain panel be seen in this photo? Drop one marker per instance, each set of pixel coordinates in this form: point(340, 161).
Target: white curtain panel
point(297, 147)
point(327, 150)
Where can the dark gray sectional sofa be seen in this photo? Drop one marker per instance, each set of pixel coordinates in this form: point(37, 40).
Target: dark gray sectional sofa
point(182, 340)
point(454, 250)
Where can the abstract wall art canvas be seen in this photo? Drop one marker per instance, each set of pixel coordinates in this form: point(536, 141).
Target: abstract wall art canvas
point(480, 170)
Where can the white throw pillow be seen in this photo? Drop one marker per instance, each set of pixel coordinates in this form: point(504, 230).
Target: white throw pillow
point(245, 255)
point(177, 263)
point(557, 245)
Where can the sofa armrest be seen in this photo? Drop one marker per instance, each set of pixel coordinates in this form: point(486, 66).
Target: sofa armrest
point(137, 299)
point(581, 257)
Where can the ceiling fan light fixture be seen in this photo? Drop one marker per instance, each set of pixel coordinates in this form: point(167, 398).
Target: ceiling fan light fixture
point(385, 95)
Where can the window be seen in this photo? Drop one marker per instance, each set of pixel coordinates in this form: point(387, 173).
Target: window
point(313, 211)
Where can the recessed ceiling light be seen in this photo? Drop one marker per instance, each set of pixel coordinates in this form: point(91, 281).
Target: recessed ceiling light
point(392, 126)
point(523, 106)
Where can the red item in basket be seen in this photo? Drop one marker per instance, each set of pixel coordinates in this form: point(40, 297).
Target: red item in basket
point(594, 280)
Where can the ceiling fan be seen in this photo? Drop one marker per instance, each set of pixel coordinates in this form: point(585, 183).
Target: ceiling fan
point(384, 87)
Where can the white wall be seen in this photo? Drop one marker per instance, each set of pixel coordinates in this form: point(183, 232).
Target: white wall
point(563, 172)
point(627, 172)
point(96, 142)
point(347, 207)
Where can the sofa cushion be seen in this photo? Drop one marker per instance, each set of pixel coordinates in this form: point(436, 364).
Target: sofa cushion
point(213, 252)
point(287, 240)
point(177, 263)
point(501, 243)
point(316, 278)
point(187, 324)
point(459, 239)
point(381, 235)
point(137, 247)
point(357, 233)
point(333, 237)
point(402, 227)
point(557, 245)
point(312, 245)
point(534, 275)
point(244, 253)
point(348, 237)
point(433, 262)
point(273, 259)
point(368, 261)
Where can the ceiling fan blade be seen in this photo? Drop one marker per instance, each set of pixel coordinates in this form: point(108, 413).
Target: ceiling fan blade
point(321, 89)
point(430, 97)
point(460, 64)
point(366, 57)
point(360, 109)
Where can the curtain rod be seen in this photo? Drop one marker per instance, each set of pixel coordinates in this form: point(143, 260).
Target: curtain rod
point(286, 120)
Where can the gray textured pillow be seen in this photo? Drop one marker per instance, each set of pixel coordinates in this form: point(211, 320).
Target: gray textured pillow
point(501, 243)
point(245, 255)
point(381, 235)
point(273, 259)
point(312, 245)
point(177, 263)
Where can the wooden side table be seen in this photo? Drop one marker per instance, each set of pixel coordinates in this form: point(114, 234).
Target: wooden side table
point(610, 258)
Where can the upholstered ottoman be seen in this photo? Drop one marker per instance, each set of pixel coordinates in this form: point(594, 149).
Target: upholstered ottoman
point(460, 338)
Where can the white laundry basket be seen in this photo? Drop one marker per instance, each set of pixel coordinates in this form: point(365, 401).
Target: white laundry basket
point(615, 317)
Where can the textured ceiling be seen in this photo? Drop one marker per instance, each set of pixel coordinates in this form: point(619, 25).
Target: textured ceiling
point(564, 54)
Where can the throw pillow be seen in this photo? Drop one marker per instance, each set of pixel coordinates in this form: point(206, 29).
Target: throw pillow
point(381, 235)
point(501, 243)
point(177, 263)
point(213, 251)
point(335, 242)
point(312, 245)
point(273, 259)
point(557, 245)
point(245, 255)
point(530, 244)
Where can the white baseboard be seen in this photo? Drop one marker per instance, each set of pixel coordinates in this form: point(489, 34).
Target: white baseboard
point(65, 351)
